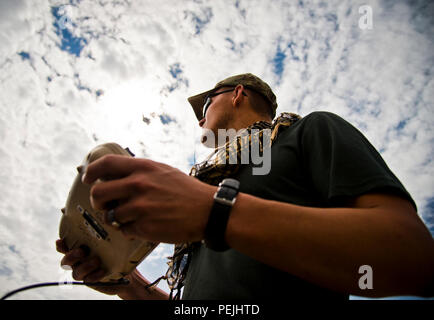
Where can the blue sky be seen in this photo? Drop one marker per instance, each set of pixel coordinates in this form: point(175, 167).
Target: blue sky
point(68, 42)
point(78, 73)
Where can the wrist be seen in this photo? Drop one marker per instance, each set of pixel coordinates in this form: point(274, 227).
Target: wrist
point(244, 219)
point(126, 292)
point(137, 290)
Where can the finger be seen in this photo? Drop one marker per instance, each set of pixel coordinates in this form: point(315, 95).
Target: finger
point(61, 246)
point(109, 167)
point(73, 257)
point(95, 276)
point(86, 268)
point(105, 193)
point(126, 212)
point(138, 229)
point(130, 231)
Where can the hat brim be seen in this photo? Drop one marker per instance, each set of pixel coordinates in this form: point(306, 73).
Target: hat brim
point(197, 103)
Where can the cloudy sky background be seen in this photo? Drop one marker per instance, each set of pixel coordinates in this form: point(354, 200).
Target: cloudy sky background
point(74, 74)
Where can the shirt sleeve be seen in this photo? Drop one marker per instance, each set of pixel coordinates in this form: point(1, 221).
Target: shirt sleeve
point(341, 162)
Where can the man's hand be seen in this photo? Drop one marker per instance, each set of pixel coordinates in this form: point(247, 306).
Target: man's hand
point(85, 268)
point(89, 270)
point(156, 202)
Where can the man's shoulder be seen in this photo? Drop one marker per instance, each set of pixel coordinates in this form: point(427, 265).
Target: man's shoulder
point(326, 120)
point(321, 115)
point(314, 119)
point(320, 126)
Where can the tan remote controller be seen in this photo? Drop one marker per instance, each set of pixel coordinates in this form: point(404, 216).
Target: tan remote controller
point(82, 225)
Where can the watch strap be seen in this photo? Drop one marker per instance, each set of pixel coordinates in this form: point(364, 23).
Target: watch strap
point(215, 229)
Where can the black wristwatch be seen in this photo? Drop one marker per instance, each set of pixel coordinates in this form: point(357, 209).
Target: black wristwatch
point(215, 229)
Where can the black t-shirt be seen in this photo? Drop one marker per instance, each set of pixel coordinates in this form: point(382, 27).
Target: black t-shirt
point(318, 162)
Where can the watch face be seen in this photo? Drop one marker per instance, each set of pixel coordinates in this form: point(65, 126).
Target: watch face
point(231, 183)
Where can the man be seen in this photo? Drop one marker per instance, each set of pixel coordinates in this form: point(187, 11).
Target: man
point(328, 208)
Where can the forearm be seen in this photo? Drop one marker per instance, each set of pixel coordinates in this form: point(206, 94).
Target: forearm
point(136, 289)
point(328, 245)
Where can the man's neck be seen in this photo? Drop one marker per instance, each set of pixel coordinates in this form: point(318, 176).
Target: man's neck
point(247, 121)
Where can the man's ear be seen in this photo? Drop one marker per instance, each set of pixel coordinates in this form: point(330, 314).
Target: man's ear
point(238, 95)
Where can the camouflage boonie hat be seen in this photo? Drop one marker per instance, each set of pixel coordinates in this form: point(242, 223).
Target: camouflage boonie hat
point(248, 80)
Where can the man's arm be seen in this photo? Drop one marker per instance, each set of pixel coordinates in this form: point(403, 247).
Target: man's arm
point(323, 245)
point(328, 245)
point(136, 289)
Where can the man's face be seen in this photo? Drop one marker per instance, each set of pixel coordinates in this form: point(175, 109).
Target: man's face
point(218, 115)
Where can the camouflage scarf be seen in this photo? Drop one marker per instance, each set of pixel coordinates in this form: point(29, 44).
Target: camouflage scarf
point(212, 171)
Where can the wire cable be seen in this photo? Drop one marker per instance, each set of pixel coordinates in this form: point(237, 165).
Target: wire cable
point(49, 284)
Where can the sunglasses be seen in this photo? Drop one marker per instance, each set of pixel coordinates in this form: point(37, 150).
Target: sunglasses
point(207, 100)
